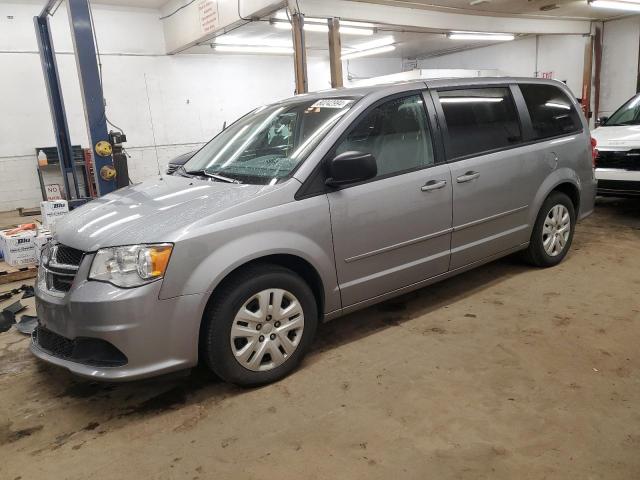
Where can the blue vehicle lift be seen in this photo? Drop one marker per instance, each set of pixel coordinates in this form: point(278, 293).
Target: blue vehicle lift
point(92, 96)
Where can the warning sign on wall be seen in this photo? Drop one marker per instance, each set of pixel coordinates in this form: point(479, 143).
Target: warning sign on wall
point(208, 12)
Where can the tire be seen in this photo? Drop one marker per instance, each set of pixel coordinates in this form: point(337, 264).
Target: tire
point(240, 305)
point(538, 253)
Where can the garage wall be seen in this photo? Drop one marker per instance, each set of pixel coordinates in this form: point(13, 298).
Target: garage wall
point(620, 40)
point(561, 54)
point(167, 105)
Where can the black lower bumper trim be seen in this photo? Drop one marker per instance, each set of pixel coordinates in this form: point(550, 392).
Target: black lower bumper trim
point(88, 351)
point(619, 188)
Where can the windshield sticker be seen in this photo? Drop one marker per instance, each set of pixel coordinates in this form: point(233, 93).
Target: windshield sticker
point(332, 103)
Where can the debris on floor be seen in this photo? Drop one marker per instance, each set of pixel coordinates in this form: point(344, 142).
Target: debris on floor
point(8, 315)
point(27, 324)
point(14, 307)
point(6, 320)
point(28, 291)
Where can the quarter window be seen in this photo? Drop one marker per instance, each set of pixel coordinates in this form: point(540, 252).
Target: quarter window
point(479, 120)
point(396, 133)
point(552, 112)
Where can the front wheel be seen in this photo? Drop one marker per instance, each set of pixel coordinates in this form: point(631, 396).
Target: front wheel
point(259, 326)
point(553, 231)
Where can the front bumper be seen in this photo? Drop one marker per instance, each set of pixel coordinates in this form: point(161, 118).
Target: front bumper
point(155, 336)
point(618, 183)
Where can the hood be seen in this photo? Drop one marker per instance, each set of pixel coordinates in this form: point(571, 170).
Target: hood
point(156, 211)
point(623, 137)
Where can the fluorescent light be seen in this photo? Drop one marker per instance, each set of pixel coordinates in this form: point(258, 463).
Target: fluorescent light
point(282, 15)
point(616, 5)
point(316, 27)
point(366, 53)
point(492, 37)
point(348, 23)
point(379, 42)
point(349, 30)
point(251, 41)
point(253, 49)
point(471, 100)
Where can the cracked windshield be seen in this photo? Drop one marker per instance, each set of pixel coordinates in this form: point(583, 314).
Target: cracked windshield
point(267, 144)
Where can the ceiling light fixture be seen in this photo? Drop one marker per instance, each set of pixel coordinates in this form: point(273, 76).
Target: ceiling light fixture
point(491, 37)
point(378, 42)
point(252, 41)
point(253, 49)
point(317, 27)
point(626, 5)
point(366, 53)
point(282, 15)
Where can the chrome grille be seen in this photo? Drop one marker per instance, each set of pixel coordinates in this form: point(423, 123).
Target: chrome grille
point(58, 268)
point(68, 255)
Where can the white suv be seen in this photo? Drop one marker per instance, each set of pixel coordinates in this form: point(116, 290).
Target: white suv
point(618, 143)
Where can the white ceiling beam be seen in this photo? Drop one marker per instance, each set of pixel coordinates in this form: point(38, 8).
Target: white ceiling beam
point(197, 22)
point(437, 20)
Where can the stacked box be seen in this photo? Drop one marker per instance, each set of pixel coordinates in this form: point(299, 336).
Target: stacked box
point(52, 212)
point(19, 249)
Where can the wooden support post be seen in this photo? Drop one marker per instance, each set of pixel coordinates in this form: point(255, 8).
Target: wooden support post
point(299, 53)
point(586, 77)
point(335, 52)
point(597, 47)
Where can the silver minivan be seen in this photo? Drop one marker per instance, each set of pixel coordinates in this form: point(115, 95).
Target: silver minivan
point(305, 210)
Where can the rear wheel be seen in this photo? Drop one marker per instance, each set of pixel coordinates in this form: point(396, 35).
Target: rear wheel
point(259, 326)
point(553, 231)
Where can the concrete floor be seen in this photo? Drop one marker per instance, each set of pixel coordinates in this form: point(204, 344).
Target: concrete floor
point(504, 372)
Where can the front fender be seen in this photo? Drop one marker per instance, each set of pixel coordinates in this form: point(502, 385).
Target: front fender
point(300, 228)
point(244, 250)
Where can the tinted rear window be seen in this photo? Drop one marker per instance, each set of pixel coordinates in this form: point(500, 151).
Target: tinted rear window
point(480, 120)
point(552, 112)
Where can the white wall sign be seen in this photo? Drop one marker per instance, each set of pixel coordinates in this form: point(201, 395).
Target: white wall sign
point(53, 191)
point(209, 17)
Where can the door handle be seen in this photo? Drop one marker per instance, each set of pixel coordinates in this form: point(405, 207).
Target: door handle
point(467, 177)
point(433, 185)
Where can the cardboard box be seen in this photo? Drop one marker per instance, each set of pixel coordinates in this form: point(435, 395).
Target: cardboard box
point(52, 212)
point(19, 249)
point(40, 241)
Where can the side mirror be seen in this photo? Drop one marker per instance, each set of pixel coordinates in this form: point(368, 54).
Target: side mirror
point(601, 121)
point(351, 167)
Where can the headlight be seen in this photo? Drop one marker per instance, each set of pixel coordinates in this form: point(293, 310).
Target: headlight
point(131, 266)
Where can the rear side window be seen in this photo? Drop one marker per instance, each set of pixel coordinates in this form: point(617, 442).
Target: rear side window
point(479, 120)
point(552, 112)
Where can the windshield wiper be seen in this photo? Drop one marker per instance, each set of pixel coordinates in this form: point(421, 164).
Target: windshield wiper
point(215, 176)
point(222, 178)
